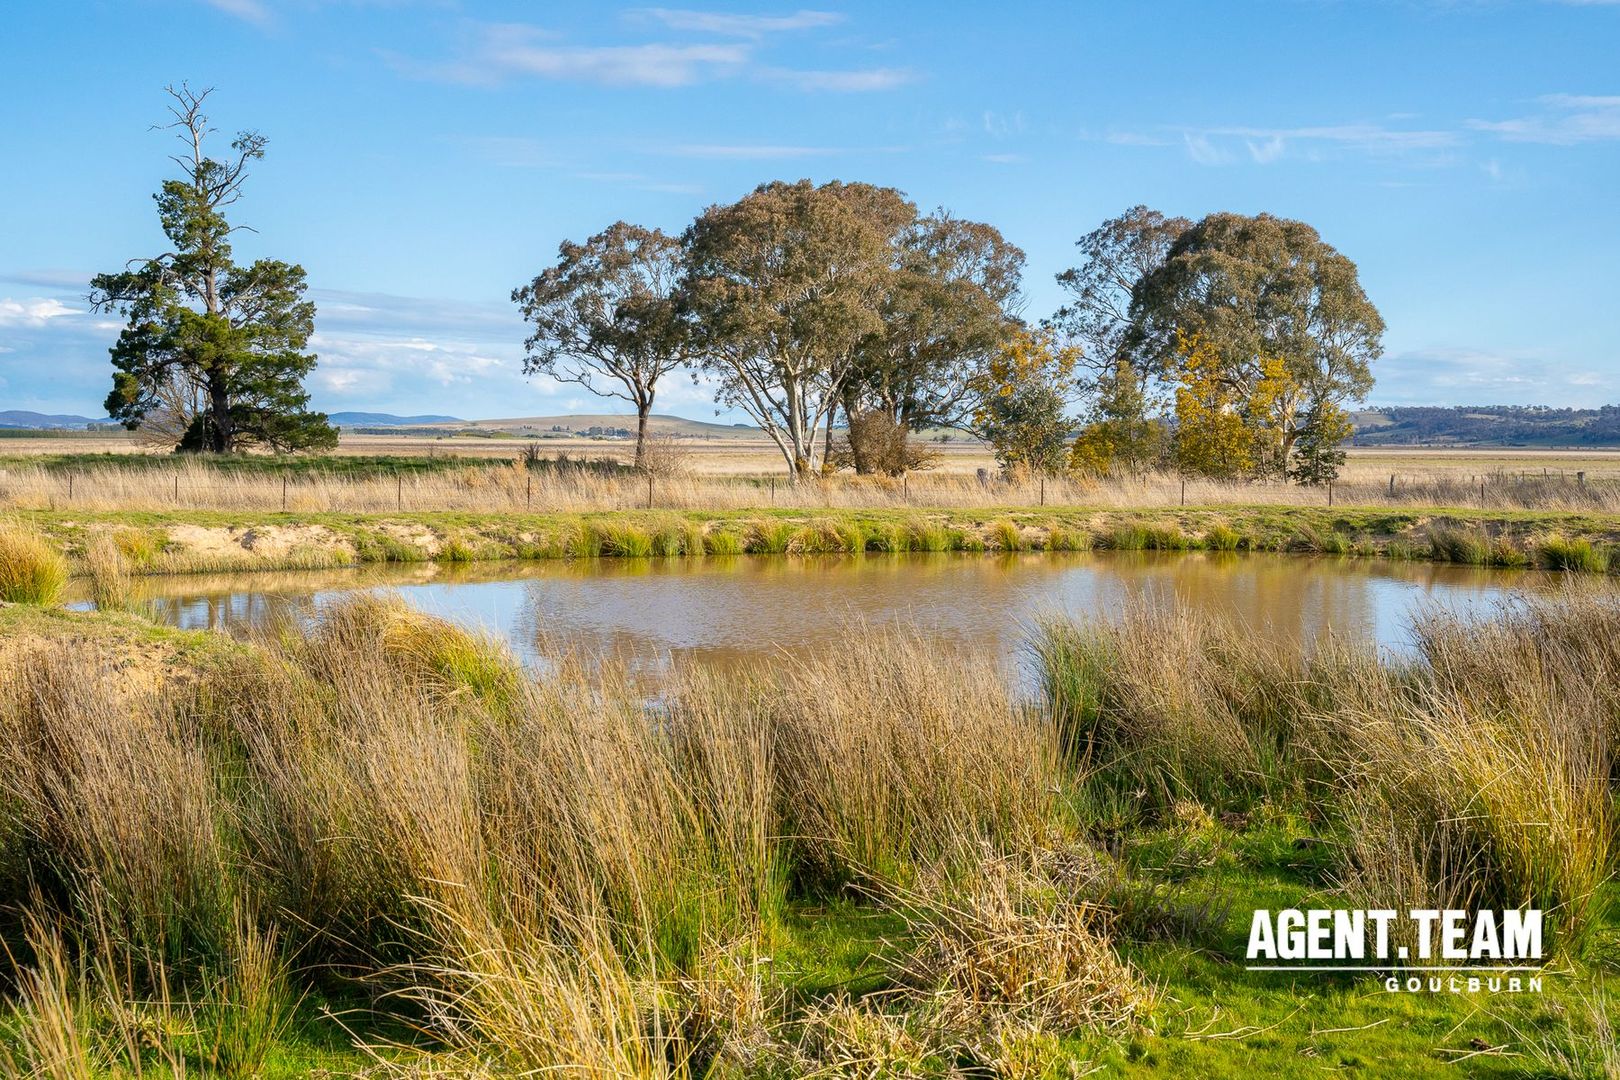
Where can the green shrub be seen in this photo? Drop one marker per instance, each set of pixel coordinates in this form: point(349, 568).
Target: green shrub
point(1166, 538)
point(622, 539)
point(586, 543)
point(1059, 538)
point(895, 539)
point(1127, 538)
point(109, 574)
point(456, 550)
point(1403, 550)
point(1505, 553)
point(140, 546)
point(1007, 536)
point(769, 537)
point(1558, 553)
point(1459, 546)
point(930, 536)
point(720, 542)
point(1221, 537)
point(31, 570)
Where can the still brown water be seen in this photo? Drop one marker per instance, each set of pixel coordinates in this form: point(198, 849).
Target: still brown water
point(727, 609)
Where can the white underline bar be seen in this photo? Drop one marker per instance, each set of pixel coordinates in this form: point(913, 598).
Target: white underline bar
point(1392, 969)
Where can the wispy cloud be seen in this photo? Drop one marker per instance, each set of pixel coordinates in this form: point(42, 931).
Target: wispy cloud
point(498, 52)
point(737, 25)
point(842, 82)
point(1564, 120)
point(1202, 150)
point(247, 10)
point(1463, 374)
point(753, 152)
point(35, 312)
point(504, 50)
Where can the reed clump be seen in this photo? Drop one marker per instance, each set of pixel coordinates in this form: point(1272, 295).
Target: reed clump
point(579, 871)
point(109, 572)
point(538, 871)
point(1478, 775)
point(32, 571)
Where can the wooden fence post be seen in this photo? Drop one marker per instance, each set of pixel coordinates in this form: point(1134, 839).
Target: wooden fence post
point(177, 489)
point(528, 491)
point(1183, 491)
point(649, 490)
point(1330, 492)
point(399, 492)
point(283, 491)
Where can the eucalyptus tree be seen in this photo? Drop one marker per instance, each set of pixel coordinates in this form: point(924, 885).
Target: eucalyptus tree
point(1115, 257)
point(952, 302)
point(786, 285)
point(607, 316)
point(197, 319)
point(1263, 291)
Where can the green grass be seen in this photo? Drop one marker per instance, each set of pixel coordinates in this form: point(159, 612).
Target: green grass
point(1571, 553)
point(766, 855)
point(152, 543)
point(32, 571)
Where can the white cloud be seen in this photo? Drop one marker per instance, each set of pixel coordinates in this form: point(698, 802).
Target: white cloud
point(1004, 159)
point(500, 51)
point(736, 25)
point(517, 50)
point(1201, 150)
point(33, 313)
point(1266, 151)
point(840, 82)
point(746, 152)
point(1465, 375)
point(247, 10)
point(354, 365)
point(1265, 145)
point(1565, 119)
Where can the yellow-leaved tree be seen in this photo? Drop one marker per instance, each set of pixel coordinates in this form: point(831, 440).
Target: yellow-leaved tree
point(1212, 438)
point(1021, 401)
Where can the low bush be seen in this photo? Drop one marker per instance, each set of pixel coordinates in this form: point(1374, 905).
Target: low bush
point(32, 571)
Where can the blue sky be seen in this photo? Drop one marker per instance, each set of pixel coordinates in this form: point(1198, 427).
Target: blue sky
point(426, 157)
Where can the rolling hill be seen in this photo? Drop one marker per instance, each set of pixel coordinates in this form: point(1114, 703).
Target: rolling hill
point(22, 418)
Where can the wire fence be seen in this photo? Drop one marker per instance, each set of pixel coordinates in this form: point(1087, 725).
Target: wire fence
point(512, 487)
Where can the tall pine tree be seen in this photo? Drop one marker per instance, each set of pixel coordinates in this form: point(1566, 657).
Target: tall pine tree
point(231, 338)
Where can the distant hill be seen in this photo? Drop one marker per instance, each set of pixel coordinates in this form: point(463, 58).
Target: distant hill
point(1487, 425)
point(656, 423)
point(22, 418)
point(382, 419)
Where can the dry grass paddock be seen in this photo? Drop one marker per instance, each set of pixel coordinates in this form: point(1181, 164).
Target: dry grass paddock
point(501, 486)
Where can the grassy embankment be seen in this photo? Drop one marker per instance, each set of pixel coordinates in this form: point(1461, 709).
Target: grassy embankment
point(132, 542)
point(378, 844)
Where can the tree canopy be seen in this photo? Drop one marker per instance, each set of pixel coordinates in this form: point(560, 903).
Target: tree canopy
point(785, 286)
point(607, 316)
point(951, 304)
point(1259, 288)
point(198, 324)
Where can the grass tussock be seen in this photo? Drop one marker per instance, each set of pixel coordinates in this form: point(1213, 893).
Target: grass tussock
point(1554, 552)
point(877, 861)
point(1478, 776)
point(109, 572)
point(32, 571)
